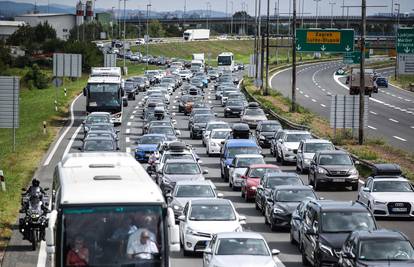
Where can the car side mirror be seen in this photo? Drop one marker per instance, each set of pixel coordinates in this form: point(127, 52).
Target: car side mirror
point(356, 162)
point(181, 218)
point(275, 252)
point(84, 91)
point(348, 255)
point(299, 151)
point(205, 171)
point(242, 219)
point(270, 200)
point(208, 251)
point(168, 195)
point(117, 131)
point(220, 195)
point(366, 189)
point(84, 121)
point(177, 132)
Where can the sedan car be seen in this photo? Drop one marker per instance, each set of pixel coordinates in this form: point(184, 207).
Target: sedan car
point(239, 166)
point(233, 108)
point(381, 82)
point(168, 131)
point(130, 89)
point(203, 218)
point(265, 131)
point(281, 203)
point(147, 144)
point(211, 125)
point(99, 144)
point(307, 149)
point(252, 116)
point(214, 141)
point(108, 127)
point(96, 117)
point(199, 125)
point(252, 176)
point(288, 144)
point(333, 167)
point(239, 249)
point(185, 191)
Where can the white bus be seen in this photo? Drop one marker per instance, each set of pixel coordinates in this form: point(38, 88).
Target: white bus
point(101, 205)
point(225, 61)
point(104, 92)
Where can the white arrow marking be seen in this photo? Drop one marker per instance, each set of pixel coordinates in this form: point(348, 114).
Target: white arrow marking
point(347, 48)
point(323, 48)
point(407, 50)
point(298, 47)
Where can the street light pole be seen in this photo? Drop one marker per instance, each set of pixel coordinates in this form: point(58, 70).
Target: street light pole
point(231, 23)
point(112, 23)
point(124, 32)
point(317, 12)
point(147, 41)
point(332, 4)
point(362, 75)
point(294, 58)
point(119, 19)
point(266, 92)
point(396, 34)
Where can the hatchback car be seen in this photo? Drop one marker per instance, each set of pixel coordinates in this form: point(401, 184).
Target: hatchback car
point(251, 178)
point(239, 166)
point(265, 131)
point(96, 117)
point(252, 116)
point(307, 149)
point(99, 144)
point(147, 144)
point(233, 108)
point(211, 125)
point(214, 141)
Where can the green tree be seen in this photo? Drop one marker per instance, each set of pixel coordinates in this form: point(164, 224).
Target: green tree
point(155, 29)
point(91, 55)
point(86, 32)
point(44, 32)
point(35, 78)
point(173, 31)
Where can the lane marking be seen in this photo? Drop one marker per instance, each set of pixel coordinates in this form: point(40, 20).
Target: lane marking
point(313, 100)
point(374, 113)
point(57, 144)
point(129, 123)
point(133, 112)
point(127, 139)
point(128, 150)
point(41, 260)
point(132, 117)
point(72, 139)
point(391, 119)
point(399, 138)
point(127, 131)
point(371, 127)
point(323, 105)
point(306, 96)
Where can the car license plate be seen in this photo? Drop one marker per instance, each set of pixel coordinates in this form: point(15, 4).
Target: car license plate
point(339, 180)
point(399, 209)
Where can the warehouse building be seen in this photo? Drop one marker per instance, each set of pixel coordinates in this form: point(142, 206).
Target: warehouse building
point(8, 27)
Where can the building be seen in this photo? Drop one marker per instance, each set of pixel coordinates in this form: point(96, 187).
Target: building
point(62, 23)
point(7, 27)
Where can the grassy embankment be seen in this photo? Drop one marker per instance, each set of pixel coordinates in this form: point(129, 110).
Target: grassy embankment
point(374, 150)
point(36, 106)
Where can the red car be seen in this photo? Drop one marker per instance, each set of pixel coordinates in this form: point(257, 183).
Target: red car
point(252, 178)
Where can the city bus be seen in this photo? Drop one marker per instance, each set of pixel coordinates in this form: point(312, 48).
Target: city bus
point(225, 61)
point(104, 92)
point(101, 204)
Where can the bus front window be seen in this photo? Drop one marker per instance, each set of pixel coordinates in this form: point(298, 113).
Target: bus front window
point(113, 236)
point(104, 95)
point(224, 61)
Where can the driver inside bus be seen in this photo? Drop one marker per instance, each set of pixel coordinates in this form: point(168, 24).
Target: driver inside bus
point(142, 248)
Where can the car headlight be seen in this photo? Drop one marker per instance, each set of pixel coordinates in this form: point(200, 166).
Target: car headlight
point(307, 160)
point(278, 210)
point(176, 207)
point(227, 109)
point(190, 231)
point(321, 170)
point(253, 188)
point(262, 137)
point(326, 249)
point(353, 171)
point(377, 202)
point(213, 144)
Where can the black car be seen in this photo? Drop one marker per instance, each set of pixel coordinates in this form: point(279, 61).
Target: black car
point(282, 202)
point(99, 144)
point(130, 89)
point(233, 108)
point(265, 131)
point(271, 180)
point(326, 226)
point(199, 125)
point(377, 248)
point(140, 83)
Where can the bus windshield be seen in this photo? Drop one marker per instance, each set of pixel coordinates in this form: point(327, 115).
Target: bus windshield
point(104, 95)
point(121, 235)
point(224, 60)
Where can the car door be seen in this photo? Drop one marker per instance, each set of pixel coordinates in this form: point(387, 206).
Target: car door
point(183, 223)
point(309, 240)
point(268, 205)
point(260, 190)
point(207, 257)
point(312, 170)
point(364, 197)
point(232, 168)
point(299, 155)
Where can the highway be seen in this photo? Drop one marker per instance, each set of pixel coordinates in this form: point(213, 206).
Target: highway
point(69, 140)
point(391, 111)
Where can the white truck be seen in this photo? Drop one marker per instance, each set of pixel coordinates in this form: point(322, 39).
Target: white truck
point(199, 56)
point(196, 34)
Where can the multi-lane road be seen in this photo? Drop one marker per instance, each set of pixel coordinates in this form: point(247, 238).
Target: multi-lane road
point(18, 252)
point(391, 111)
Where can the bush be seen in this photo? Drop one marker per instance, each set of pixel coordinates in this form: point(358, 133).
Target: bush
point(35, 78)
point(91, 55)
point(21, 62)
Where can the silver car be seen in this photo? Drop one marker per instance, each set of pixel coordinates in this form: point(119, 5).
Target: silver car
point(307, 149)
point(288, 143)
point(96, 117)
point(252, 116)
point(239, 249)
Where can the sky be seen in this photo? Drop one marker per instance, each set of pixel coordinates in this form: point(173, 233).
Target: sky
point(220, 5)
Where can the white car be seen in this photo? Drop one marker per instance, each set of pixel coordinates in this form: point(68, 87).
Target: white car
point(185, 74)
point(288, 145)
point(213, 141)
point(213, 125)
point(239, 166)
point(203, 218)
point(388, 196)
point(243, 249)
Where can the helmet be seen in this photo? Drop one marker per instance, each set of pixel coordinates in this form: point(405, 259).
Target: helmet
point(35, 182)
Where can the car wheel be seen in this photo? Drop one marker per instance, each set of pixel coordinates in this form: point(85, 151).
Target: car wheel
point(266, 221)
point(256, 206)
point(282, 159)
point(291, 239)
point(317, 185)
point(310, 181)
point(273, 227)
point(277, 156)
point(298, 170)
point(186, 253)
point(225, 115)
point(355, 187)
point(230, 184)
point(191, 135)
point(243, 195)
point(133, 97)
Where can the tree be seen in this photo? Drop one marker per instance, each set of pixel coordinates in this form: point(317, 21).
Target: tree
point(173, 31)
point(91, 55)
point(86, 32)
point(44, 32)
point(155, 29)
point(35, 78)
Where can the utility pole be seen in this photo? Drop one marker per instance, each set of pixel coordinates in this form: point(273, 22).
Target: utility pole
point(362, 75)
point(277, 31)
point(396, 34)
point(231, 23)
point(147, 41)
point(258, 39)
point(119, 19)
point(317, 12)
point(124, 32)
point(227, 14)
point(255, 32)
point(303, 11)
point(332, 4)
point(266, 92)
point(185, 10)
point(294, 58)
point(112, 23)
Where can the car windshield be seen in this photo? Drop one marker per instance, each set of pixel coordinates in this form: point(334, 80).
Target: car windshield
point(98, 145)
point(335, 159)
point(277, 181)
point(297, 137)
point(98, 119)
point(270, 127)
point(129, 85)
point(254, 112)
point(260, 172)
point(177, 156)
point(182, 168)
point(212, 212)
point(242, 246)
point(161, 130)
point(151, 139)
point(392, 186)
point(95, 232)
point(212, 126)
point(204, 118)
point(294, 195)
point(246, 162)
point(201, 111)
point(219, 134)
point(346, 221)
point(386, 250)
point(233, 103)
point(195, 191)
point(233, 151)
point(315, 147)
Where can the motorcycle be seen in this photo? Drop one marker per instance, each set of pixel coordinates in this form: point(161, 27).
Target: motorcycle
point(34, 223)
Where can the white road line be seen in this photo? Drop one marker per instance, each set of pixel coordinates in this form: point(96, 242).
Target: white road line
point(129, 123)
point(301, 92)
point(374, 113)
point(323, 89)
point(313, 100)
point(323, 105)
point(371, 127)
point(41, 260)
point(128, 150)
point(412, 127)
point(391, 119)
point(278, 262)
point(55, 147)
point(399, 138)
point(133, 112)
point(132, 117)
point(127, 139)
point(72, 139)
point(306, 96)
point(127, 131)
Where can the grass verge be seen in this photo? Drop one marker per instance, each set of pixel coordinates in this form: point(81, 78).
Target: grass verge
point(403, 81)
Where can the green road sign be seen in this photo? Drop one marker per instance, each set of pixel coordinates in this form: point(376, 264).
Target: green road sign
point(324, 40)
point(405, 41)
point(354, 57)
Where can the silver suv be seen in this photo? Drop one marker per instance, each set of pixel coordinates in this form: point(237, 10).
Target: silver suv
point(307, 149)
point(288, 143)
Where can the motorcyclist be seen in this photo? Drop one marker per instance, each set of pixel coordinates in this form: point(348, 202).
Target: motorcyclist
point(34, 191)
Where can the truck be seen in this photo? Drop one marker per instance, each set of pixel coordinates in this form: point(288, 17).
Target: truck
point(355, 78)
point(196, 34)
point(94, 197)
point(104, 92)
point(199, 56)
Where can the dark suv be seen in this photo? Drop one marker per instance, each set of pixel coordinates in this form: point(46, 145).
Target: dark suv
point(326, 225)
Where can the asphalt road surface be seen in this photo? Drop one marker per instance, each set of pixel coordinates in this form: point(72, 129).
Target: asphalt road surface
point(391, 111)
point(19, 255)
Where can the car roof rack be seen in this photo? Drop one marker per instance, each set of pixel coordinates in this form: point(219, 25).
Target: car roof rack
point(388, 169)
